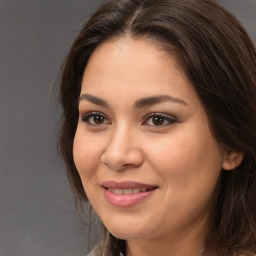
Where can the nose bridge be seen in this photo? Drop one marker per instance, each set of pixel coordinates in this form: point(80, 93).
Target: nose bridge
point(123, 149)
point(119, 138)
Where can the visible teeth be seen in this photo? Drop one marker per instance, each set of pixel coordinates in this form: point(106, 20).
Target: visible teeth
point(136, 190)
point(129, 191)
point(119, 191)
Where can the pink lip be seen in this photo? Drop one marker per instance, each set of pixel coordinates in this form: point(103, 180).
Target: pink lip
point(126, 185)
point(126, 200)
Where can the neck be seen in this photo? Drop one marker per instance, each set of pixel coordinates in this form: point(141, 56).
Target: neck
point(180, 243)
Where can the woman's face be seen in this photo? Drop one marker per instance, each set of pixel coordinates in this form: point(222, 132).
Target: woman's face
point(143, 147)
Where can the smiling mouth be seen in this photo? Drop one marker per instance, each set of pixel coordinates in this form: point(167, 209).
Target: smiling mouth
point(130, 191)
point(127, 193)
point(127, 187)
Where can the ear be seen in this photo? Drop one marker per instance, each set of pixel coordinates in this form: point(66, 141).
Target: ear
point(232, 160)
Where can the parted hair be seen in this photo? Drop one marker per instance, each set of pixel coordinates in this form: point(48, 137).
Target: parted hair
point(219, 59)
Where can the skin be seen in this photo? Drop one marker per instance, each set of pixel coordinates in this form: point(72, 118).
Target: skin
point(181, 157)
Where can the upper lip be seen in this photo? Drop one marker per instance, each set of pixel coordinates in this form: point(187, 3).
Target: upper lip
point(126, 185)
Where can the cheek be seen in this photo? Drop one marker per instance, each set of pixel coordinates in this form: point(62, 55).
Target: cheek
point(86, 159)
point(190, 170)
point(85, 154)
point(187, 159)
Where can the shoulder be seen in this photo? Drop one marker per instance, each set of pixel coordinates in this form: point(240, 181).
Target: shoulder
point(102, 248)
point(94, 252)
point(98, 250)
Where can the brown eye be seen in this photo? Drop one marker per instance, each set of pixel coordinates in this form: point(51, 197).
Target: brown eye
point(94, 118)
point(159, 120)
point(97, 119)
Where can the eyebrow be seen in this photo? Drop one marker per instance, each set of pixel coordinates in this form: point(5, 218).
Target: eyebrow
point(94, 100)
point(153, 100)
point(140, 103)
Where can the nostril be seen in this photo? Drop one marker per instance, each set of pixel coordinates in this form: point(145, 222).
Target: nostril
point(115, 168)
point(119, 159)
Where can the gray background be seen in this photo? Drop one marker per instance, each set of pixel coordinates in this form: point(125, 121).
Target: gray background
point(37, 216)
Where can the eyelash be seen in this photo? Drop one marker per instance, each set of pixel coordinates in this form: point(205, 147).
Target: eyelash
point(166, 119)
point(86, 117)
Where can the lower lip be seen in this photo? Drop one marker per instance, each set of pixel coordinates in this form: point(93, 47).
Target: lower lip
point(126, 200)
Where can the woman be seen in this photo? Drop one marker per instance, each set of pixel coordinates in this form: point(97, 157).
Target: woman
point(158, 129)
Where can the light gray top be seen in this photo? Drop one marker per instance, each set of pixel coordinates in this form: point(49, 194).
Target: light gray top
point(92, 253)
point(95, 251)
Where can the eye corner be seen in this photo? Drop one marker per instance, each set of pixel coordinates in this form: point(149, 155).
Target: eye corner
point(159, 120)
point(94, 119)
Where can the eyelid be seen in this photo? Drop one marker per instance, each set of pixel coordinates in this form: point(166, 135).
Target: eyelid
point(169, 118)
point(85, 117)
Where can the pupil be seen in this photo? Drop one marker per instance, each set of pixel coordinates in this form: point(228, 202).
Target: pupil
point(157, 120)
point(98, 119)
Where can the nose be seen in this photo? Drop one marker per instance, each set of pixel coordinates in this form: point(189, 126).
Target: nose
point(123, 150)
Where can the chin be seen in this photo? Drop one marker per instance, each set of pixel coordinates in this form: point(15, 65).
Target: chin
point(122, 235)
point(127, 232)
point(125, 235)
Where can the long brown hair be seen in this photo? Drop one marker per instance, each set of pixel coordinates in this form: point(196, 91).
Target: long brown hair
point(219, 58)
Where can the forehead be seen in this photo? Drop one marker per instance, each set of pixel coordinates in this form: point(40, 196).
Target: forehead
point(139, 67)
